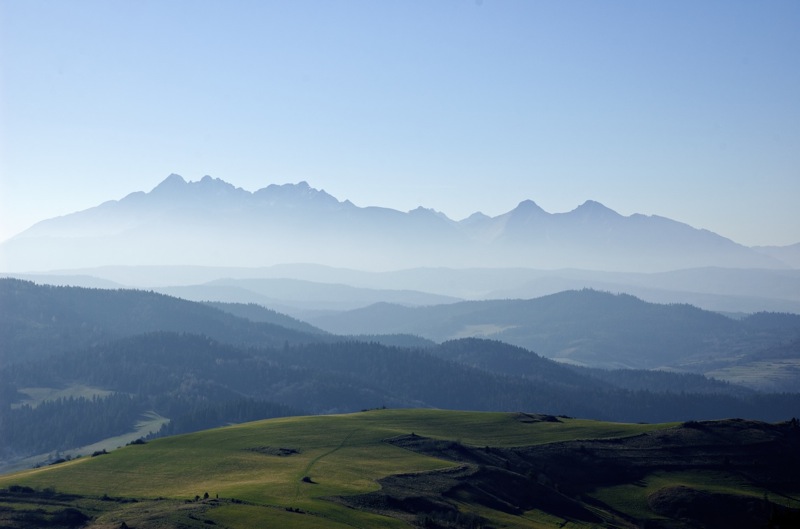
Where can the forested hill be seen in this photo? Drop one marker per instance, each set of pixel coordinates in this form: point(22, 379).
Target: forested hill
point(258, 313)
point(38, 320)
point(587, 327)
point(199, 383)
point(119, 354)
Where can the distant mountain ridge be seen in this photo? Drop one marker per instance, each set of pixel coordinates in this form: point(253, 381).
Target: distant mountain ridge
point(284, 294)
point(211, 222)
point(604, 330)
point(72, 318)
point(727, 290)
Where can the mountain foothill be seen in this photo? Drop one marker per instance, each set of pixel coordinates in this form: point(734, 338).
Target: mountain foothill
point(201, 365)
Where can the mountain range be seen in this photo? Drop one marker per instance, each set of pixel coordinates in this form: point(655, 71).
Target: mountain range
point(304, 290)
point(212, 223)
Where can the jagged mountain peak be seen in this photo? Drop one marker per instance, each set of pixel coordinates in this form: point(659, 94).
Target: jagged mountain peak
point(526, 209)
point(419, 210)
point(208, 180)
point(285, 194)
point(594, 208)
point(296, 222)
point(300, 193)
point(216, 185)
point(299, 188)
point(528, 205)
point(478, 216)
point(173, 181)
point(207, 188)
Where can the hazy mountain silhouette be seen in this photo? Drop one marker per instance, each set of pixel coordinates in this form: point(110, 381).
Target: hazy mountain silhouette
point(213, 223)
point(294, 294)
point(787, 254)
point(729, 290)
point(603, 330)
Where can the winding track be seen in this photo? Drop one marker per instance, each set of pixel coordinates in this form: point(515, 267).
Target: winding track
point(307, 470)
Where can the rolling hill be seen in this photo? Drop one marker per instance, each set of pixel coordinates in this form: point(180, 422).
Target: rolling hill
point(596, 329)
point(426, 468)
point(40, 320)
point(94, 364)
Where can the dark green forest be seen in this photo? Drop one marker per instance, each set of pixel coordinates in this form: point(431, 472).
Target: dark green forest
point(51, 426)
point(40, 320)
point(207, 368)
point(257, 313)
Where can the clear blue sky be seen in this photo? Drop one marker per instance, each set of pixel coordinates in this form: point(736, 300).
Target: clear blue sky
point(685, 109)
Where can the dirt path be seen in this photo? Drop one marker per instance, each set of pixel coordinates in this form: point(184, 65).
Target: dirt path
point(307, 471)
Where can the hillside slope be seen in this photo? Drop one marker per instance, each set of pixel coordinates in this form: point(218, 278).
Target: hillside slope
point(198, 383)
point(427, 468)
point(41, 320)
point(592, 328)
point(68, 383)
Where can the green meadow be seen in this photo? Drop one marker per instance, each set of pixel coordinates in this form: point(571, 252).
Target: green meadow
point(285, 472)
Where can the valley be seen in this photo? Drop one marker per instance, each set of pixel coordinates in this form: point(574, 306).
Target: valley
point(104, 359)
point(630, 394)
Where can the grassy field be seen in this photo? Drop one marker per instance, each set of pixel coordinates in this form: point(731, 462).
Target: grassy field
point(283, 471)
point(150, 422)
point(767, 375)
point(38, 395)
point(632, 498)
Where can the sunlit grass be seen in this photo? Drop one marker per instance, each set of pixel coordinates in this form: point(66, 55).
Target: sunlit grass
point(632, 498)
point(339, 454)
point(36, 396)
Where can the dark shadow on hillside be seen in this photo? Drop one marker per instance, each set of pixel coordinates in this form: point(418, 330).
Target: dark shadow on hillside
point(558, 478)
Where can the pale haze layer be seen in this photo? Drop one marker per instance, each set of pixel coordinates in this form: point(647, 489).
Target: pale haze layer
point(688, 110)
